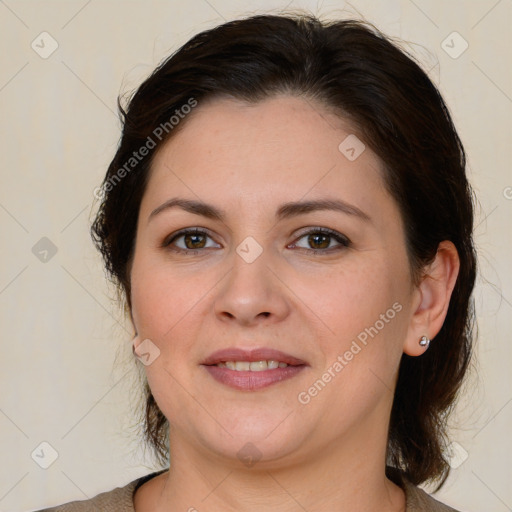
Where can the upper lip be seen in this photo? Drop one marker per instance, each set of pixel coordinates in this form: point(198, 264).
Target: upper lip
point(257, 354)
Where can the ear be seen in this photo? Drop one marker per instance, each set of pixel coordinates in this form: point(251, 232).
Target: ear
point(432, 298)
point(136, 341)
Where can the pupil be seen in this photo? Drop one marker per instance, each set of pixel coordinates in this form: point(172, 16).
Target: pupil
point(319, 240)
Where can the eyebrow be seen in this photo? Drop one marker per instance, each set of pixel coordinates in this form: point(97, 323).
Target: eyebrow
point(285, 211)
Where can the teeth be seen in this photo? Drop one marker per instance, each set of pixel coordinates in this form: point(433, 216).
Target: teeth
point(257, 366)
point(253, 366)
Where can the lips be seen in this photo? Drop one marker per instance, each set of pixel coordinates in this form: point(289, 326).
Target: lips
point(243, 379)
point(258, 354)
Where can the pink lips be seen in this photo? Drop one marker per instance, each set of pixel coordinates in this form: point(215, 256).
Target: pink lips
point(249, 380)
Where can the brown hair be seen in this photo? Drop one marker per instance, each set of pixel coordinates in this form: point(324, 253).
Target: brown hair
point(359, 73)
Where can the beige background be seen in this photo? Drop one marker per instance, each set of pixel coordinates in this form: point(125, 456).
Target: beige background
point(67, 375)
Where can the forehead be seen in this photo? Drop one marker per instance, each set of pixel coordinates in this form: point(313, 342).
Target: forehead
point(281, 145)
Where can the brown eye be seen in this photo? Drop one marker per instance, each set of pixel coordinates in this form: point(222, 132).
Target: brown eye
point(319, 241)
point(194, 241)
point(190, 240)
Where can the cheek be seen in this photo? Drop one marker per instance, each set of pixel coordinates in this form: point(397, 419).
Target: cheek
point(364, 313)
point(162, 297)
point(164, 308)
point(353, 296)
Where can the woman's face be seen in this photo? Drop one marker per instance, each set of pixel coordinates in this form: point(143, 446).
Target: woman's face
point(299, 249)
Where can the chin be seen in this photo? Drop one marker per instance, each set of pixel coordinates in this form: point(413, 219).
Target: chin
point(256, 442)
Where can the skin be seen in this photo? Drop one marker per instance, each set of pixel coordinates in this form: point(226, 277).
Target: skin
point(298, 297)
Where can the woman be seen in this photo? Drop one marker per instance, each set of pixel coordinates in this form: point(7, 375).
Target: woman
point(289, 219)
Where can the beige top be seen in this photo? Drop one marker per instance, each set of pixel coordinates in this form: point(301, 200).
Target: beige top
point(121, 499)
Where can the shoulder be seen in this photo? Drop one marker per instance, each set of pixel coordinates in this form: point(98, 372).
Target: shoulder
point(417, 500)
point(119, 499)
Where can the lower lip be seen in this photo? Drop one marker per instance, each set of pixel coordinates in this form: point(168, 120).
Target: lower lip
point(252, 381)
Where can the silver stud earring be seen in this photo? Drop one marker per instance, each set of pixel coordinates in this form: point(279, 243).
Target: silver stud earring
point(424, 341)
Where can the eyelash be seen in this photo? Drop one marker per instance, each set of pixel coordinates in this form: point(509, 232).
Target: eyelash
point(341, 239)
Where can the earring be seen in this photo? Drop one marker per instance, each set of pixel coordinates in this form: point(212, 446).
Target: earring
point(424, 341)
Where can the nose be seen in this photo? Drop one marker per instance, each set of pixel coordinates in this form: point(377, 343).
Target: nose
point(251, 294)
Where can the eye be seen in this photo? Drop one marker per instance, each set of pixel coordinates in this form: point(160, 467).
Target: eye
point(318, 240)
point(321, 240)
point(190, 240)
